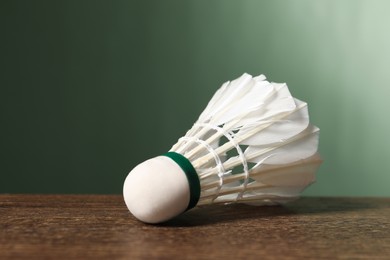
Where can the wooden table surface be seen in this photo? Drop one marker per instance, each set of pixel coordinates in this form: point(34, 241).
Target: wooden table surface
point(100, 227)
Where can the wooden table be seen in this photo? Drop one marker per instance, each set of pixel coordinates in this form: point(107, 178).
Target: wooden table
point(100, 227)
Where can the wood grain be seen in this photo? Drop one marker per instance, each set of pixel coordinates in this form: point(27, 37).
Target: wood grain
point(100, 227)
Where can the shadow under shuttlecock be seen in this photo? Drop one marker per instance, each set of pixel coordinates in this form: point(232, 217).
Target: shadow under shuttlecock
point(212, 214)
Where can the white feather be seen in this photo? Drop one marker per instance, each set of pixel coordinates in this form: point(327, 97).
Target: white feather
point(258, 128)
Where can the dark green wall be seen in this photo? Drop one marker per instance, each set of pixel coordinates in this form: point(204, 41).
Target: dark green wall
point(91, 88)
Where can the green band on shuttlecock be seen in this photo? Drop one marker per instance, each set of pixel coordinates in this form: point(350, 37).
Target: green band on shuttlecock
point(191, 174)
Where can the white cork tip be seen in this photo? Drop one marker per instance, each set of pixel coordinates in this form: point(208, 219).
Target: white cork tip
point(156, 190)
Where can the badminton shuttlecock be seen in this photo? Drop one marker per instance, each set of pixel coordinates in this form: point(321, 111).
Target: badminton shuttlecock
point(252, 144)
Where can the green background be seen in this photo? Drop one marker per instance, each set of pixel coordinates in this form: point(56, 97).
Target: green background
point(91, 88)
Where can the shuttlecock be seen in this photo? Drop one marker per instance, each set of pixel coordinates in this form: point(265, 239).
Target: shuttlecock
point(253, 144)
